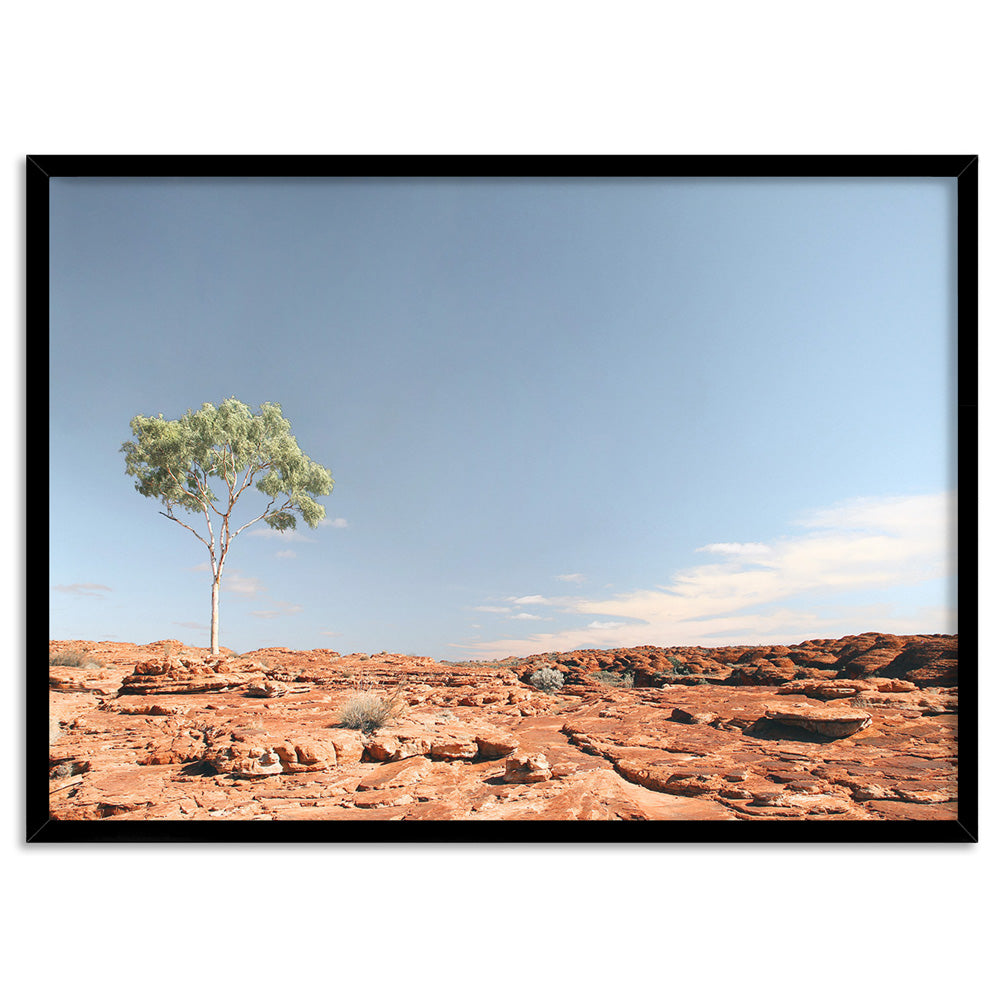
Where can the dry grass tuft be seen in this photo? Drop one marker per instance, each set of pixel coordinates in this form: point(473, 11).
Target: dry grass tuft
point(369, 708)
point(368, 711)
point(614, 679)
point(74, 656)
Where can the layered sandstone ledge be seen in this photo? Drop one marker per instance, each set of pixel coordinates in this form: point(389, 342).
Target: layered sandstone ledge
point(862, 727)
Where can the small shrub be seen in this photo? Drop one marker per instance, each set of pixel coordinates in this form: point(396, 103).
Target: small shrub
point(613, 679)
point(75, 656)
point(546, 679)
point(368, 711)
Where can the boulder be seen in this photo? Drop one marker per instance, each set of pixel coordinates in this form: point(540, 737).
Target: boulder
point(832, 723)
point(526, 769)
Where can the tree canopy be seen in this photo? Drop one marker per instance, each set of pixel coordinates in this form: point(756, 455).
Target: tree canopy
point(203, 463)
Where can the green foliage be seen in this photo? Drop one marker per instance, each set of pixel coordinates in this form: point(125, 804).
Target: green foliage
point(368, 710)
point(176, 461)
point(546, 679)
point(613, 679)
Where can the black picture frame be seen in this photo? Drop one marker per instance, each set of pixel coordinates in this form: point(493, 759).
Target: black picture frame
point(40, 169)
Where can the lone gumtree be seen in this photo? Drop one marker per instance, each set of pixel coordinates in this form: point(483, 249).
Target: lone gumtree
point(174, 460)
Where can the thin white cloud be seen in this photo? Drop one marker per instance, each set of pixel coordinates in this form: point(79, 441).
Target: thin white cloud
point(81, 589)
point(758, 592)
point(903, 514)
point(200, 626)
point(286, 554)
point(571, 577)
point(330, 633)
point(497, 609)
point(300, 535)
point(745, 550)
point(237, 583)
point(280, 608)
point(296, 536)
point(524, 616)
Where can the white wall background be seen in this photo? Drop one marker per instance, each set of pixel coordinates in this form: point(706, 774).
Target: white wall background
point(518, 77)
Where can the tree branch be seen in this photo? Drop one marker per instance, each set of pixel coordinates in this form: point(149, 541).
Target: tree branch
point(200, 499)
point(251, 472)
point(204, 485)
point(229, 485)
point(208, 521)
point(267, 510)
point(211, 548)
point(205, 504)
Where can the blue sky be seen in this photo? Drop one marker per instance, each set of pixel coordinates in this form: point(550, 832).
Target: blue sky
point(559, 414)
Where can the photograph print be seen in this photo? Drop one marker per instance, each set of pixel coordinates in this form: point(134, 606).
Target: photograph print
point(605, 498)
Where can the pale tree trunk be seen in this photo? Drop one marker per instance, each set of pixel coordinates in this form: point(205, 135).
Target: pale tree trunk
point(215, 616)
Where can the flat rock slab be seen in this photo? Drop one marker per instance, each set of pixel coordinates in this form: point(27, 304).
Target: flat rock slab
point(397, 774)
point(834, 723)
point(947, 812)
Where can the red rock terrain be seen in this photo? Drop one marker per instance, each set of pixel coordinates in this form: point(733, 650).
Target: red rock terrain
point(862, 727)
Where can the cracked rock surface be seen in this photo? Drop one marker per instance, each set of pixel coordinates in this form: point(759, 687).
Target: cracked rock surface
point(857, 728)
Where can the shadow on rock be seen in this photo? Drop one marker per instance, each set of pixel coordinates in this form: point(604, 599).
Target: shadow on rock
point(199, 769)
point(765, 729)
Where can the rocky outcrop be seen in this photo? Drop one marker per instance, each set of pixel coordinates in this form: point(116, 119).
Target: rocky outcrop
point(926, 660)
point(194, 675)
point(759, 672)
point(933, 662)
point(167, 732)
